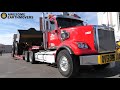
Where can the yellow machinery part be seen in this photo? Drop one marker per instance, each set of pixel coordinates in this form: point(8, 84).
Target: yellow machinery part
point(118, 43)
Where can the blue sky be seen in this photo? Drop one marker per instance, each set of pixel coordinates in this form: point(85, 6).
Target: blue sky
point(10, 26)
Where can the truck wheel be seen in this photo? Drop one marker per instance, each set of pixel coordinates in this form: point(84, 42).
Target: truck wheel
point(32, 57)
point(100, 67)
point(26, 56)
point(68, 65)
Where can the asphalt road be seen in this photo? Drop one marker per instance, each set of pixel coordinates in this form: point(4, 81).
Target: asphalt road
point(10, 68)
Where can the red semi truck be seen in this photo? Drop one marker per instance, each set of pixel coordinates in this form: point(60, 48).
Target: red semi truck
point(65, 41)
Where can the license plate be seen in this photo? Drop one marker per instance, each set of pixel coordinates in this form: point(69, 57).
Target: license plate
point(106, 58)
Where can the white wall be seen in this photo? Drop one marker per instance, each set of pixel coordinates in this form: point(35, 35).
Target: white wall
point(6, 48)
point(2, 47)
point(111, 19)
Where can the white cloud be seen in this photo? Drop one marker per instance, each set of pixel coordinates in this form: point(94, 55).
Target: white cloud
point(35, 15)
point(8, 27)
point(28, 25)
point(14, 24)
point(91, 17)
point(6, 39)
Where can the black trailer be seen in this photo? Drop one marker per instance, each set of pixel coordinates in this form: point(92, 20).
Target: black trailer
point(25, 41)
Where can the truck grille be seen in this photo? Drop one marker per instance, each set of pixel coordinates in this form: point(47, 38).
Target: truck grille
point(104, 40)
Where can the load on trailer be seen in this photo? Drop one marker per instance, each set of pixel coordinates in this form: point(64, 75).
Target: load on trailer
point(67, 42)
point(25, 41)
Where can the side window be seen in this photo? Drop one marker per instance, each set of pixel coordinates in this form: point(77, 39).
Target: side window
point(52, 25)
point(47, 25)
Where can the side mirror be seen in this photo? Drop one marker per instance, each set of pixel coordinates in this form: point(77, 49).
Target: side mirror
point(56, 31)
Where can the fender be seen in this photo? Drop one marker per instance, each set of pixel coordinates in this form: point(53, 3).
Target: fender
point(61, 48)
point(67, 48)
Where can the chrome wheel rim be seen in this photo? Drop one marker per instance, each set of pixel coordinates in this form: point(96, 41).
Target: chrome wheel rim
point(30, 58)
point(25, 57)
point(63, 63)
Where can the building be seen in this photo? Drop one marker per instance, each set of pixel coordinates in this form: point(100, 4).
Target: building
point(111, 19)
point(6, 48)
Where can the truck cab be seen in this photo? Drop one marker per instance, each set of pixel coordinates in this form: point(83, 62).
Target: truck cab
point(69, 31)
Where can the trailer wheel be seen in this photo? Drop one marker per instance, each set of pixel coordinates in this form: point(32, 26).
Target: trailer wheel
point(26, 56)
point(68, 65)
point(32, 57)
point(16, 48)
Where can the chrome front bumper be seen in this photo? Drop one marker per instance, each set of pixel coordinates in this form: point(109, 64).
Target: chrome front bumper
point(98, 59)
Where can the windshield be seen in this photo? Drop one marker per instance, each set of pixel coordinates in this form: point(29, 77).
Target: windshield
point(66, 22)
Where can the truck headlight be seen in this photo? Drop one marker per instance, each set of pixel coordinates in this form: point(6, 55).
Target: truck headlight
point(82, 45)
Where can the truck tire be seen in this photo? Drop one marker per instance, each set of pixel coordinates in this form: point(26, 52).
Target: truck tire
point(13, 51)
point(32, 57)
point(68, 65)
point(16, 48)
point(26, 56)
point(100, 67)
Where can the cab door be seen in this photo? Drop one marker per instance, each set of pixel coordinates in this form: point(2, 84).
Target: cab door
point(53, 35)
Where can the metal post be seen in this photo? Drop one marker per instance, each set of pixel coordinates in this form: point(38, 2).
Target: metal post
point(43, 15)
point(44, 33)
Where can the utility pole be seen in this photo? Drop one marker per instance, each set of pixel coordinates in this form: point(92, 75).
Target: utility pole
point(43, 15)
